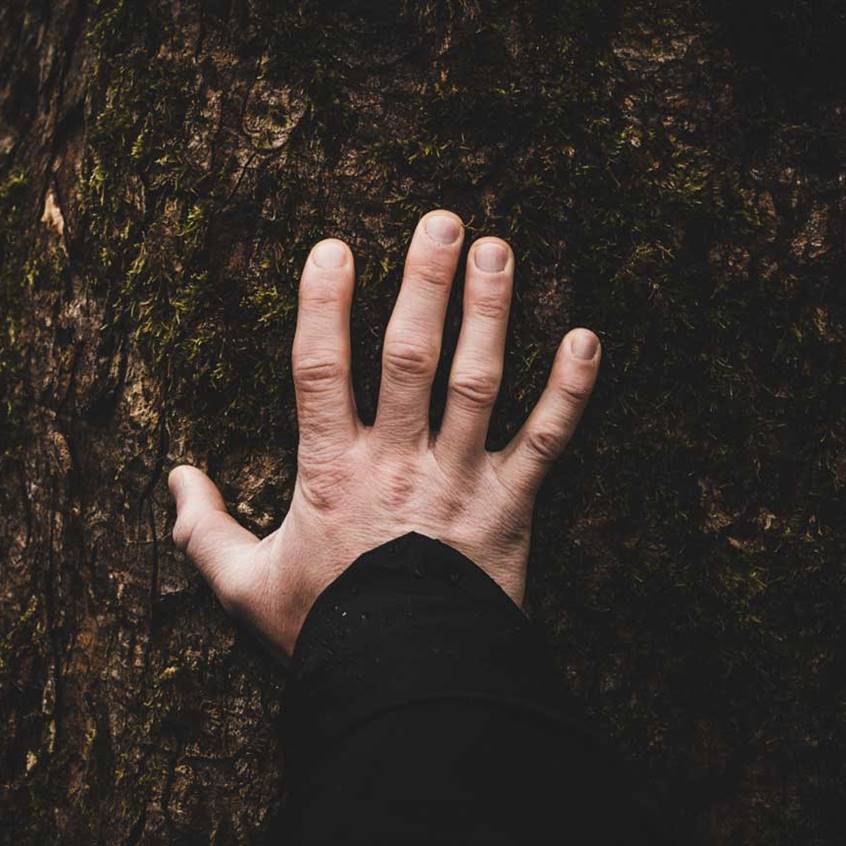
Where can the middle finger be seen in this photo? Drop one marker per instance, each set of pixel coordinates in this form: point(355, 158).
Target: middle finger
point(413, 337)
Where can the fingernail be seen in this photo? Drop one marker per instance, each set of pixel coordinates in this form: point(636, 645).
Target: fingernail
point(490, 256)
point(442, 228)
point(584, 344)
point(329, 254)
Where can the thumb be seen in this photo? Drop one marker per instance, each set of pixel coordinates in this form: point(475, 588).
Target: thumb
point(214, 541)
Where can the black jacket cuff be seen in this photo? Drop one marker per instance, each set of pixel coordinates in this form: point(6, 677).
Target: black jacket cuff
point(409, 621)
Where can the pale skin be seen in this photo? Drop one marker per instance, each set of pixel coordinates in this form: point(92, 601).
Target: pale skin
point(359, 486)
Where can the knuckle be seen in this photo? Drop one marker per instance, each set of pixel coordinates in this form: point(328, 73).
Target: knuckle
point(317, 373)
point(453, 504)
point(407, 358)
point(544, 443)
point(576, 392)
point(320, 293)
point(323, 486)
point(494, 308)
point(397, 484)
point(475, 389)
point(432, 274)
point(191, 525)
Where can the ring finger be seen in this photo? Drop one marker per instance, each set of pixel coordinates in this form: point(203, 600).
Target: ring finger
point(477, 366)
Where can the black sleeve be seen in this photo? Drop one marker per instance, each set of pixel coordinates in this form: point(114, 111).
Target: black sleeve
point(422, 708)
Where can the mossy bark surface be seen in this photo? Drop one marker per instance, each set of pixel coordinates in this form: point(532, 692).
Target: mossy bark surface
point(673, 180)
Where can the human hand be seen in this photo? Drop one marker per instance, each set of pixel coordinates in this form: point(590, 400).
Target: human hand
point(359, 486)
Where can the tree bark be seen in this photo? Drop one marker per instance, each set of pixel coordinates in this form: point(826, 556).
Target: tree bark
point(673, 180)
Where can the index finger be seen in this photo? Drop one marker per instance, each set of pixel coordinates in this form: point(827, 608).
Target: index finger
point(321, 352)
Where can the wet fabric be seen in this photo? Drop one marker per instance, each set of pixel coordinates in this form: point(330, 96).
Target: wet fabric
point(422, 707)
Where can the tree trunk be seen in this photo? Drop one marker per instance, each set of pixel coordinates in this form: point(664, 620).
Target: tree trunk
point(673, 180)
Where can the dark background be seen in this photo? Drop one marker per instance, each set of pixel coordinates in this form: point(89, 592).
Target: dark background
point(673, 180)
